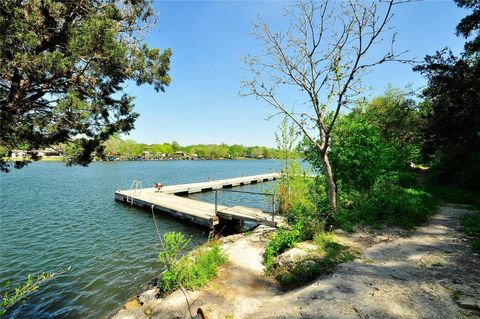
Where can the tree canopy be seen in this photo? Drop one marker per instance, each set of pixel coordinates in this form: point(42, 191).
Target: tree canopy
point(451, 108)
point(63, 65)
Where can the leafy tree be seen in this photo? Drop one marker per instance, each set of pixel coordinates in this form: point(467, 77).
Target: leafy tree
point(63, 65)
point(222, 150)
point(236, 150)
point(398, 118)
point(469, 24)
point(452, 111)
point(175, 146)
point(256, 152)
point(360, 153)
point(397, 115)
point(112, 145)
point(323, 55)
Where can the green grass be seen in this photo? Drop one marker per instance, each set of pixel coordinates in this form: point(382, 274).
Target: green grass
point(194, 270)
point(329, 254)
point(471, 226)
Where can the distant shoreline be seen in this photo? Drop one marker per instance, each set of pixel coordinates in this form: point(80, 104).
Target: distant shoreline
point(62, 159)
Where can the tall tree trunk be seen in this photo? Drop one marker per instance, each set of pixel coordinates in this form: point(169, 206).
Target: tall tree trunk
point(332, 187)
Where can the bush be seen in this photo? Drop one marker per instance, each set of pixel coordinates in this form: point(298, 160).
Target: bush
point(175, 244)
point(192, 270)
point(328, 256)
point(389, 203)
point(280, 241)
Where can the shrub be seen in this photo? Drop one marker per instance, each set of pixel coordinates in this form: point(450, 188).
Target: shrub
point(192, 270)
point(175, 244)
point(328, 256)
point(389, 203)
point(282, 240)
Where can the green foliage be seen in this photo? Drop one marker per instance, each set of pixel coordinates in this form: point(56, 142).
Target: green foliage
point(194, 270)
point(297, 192)
point(398, 118)
point(452, 118)
point(282, 240)
point(469, 24)
point(471, 226)
point(63, 68)
point(360, 153)
point(451, 108)
point(328, 256)
point(11, 295)
point(371, 150)
point(388, 203)
point(449, 193)
point(456, 294)
point(175, 244)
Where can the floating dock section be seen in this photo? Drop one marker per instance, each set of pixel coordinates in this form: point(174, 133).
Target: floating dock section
point(198, 212)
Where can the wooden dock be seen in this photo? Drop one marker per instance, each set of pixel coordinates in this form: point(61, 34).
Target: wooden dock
point(199, 212)
point(191, 188)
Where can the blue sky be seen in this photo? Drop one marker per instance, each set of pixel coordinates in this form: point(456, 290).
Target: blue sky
point(202, 105)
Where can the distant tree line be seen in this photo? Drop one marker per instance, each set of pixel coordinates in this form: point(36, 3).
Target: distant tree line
point(116, 147)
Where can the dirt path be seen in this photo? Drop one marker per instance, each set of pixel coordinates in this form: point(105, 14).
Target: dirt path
point(412, 277)
point(400, 274)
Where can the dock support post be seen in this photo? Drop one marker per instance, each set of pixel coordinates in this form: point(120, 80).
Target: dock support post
point(216, 198)
point(273, 210)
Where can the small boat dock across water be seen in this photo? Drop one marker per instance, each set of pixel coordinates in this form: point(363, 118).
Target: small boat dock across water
point(201, 213)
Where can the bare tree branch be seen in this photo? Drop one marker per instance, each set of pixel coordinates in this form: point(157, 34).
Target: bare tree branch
point(324, 53)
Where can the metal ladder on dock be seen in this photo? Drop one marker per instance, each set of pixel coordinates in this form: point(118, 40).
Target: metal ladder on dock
point(135, 188)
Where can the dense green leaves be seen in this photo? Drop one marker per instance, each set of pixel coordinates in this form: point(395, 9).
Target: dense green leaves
point(371, 152)
point(62, 69)
point(452, 115)
point(372, 140)
point(452, 112)
point(469, 24)
point(359, 152)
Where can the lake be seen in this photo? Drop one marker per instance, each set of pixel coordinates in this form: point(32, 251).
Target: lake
point(53, 217)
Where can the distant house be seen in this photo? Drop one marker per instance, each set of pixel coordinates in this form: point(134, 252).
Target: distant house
point(180, 154)
point(146, 155)
point(19, 153)
point(48, 152)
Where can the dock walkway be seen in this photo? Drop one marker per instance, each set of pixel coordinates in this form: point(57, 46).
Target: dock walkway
point(217, 184)
point(199, 212)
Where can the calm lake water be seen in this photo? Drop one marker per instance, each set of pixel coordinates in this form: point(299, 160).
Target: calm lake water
point(53, 217)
